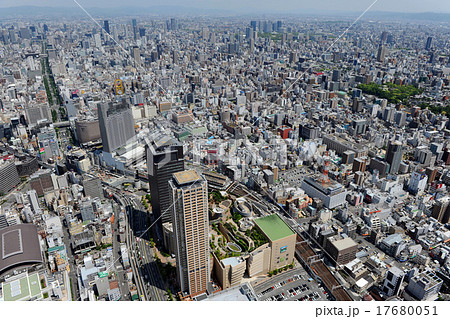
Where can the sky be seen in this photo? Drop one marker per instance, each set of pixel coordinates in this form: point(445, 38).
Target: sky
point(442, 6)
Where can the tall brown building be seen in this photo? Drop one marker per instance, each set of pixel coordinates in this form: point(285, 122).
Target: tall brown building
point(189, 204)
point(342, 251)
point(441, 210)
point(359, 164)
point(41, 181)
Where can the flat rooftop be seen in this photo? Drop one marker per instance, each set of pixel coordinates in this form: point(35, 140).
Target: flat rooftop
point(186, 177)
point(239, 293)
point(233, 261)
point(344, 243)
point(23, 288)
point(273, 227)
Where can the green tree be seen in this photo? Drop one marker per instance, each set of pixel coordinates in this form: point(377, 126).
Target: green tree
point(54, 116)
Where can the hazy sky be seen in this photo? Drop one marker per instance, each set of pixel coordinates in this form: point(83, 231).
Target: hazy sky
point(261, 5)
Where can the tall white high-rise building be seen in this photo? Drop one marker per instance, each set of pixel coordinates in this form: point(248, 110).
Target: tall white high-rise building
point(116, 124)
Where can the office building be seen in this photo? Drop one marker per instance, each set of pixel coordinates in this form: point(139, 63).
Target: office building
point(87, 130)
point(87, 210)
point(400, 118)
point(394, 156)
point(393, 281)
point(341, 250)
point(9, 178)
point(332, 194)
point(173, 24)
point(417, 183)
point(359, 127)
point(359, 165)
point(189, 204)
point(383, 37)
point(106, 26)
point(134, 23)
point(92, 187)
point(116, 124)
point(381, 55)
point(34, 201)
point(348, 157)
point(441, 210)
point(48, 144)
point(425, 286)
point(389, 114)
point(164, 157)
point(37, 113)
point(340, 145)
point(336, 75)
point(136, 55)
point(42, 182)
point(428, 44)
point(309, 132)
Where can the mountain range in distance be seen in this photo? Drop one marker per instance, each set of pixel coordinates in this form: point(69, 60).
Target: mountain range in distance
point(66, 12)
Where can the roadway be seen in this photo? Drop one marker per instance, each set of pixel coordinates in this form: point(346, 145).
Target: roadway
point(73, 268)
point(124, 202)
point(147, 261)
point(121, 274)
point(151, 271)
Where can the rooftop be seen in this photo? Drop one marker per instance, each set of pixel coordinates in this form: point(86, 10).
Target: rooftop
point(243, 292)
point(186, 177)
point(23, 288)
point(274, 227)
point(19, 244)
point(344, 243)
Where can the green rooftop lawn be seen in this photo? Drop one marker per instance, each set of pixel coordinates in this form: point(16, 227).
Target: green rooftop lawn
point(274, 227)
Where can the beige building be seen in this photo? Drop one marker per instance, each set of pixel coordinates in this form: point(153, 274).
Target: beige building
point(259, 261)
point(341, 250)
point(282, 240)
point(229, 271)
point(189, 202)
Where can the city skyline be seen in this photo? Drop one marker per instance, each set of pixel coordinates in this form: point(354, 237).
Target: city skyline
point(203, 155)
point(259, 7)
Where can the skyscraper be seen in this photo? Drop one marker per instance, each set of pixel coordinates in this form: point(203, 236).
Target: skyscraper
point(116, 124)
point(137, 55)
point(106, 26)
point(189, 196)
point(383, 37)
point(134, 22)
point(173, 24)
point(336, 75)
point(441, 210)
point(394, 156)
point(381, 53)
point(9, 177)
point(428, 45)
point(164, 157)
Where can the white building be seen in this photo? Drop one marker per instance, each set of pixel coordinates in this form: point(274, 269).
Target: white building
point(418, 182)
point(393, 281)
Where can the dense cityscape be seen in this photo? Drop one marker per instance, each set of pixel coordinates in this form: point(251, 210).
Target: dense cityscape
point(168, 158)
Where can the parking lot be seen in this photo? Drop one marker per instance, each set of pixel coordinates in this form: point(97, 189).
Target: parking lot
point(294, 285)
